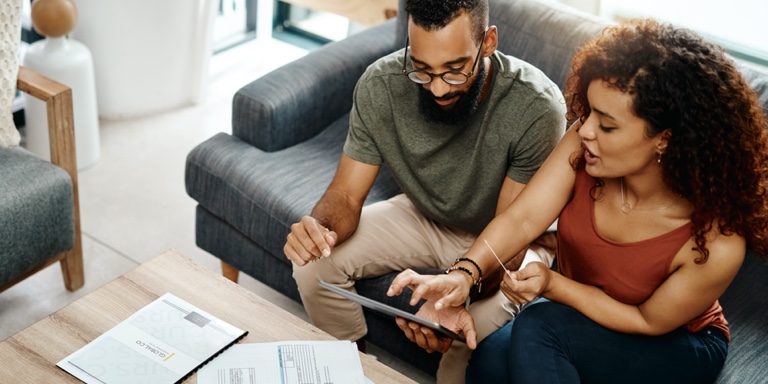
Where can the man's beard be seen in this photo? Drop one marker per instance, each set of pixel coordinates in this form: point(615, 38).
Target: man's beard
point(461, 111)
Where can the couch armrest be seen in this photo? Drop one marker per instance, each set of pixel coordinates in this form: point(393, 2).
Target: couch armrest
point(296, 101)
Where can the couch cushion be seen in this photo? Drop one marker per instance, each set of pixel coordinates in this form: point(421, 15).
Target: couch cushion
point(745, 306)
point(757, 78)
point(261, 194)
point(545, 34)
point(300, 99)
point(36, 212)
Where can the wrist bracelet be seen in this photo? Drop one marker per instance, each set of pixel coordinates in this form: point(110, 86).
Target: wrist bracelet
point(475, 282)
point(479, 271)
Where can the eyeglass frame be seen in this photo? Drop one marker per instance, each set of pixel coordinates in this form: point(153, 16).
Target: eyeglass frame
point(440, 75)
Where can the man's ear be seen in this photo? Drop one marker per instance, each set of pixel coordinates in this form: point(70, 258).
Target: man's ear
point(491, 41)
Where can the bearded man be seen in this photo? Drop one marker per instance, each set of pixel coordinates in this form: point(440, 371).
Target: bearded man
point(462, 128)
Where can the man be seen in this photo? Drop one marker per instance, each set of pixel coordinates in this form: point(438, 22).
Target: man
point(462, 128)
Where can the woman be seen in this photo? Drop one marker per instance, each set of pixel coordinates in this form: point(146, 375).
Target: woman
point(659, 186)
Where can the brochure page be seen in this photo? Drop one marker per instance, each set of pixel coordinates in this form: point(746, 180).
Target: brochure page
point(163, 342)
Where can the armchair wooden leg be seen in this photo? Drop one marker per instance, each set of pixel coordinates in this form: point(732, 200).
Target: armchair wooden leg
point(229, 272)
point(72, 268)
point(72, 264)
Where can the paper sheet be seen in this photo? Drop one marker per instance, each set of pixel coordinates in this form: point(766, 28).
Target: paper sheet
point(286, 362)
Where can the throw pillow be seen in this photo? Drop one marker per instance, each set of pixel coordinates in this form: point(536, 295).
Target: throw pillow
point(10, 36)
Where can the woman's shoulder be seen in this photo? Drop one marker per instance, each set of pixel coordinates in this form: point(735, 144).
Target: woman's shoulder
point(725, 252)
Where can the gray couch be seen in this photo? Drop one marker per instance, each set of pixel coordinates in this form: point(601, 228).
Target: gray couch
point(288, 129)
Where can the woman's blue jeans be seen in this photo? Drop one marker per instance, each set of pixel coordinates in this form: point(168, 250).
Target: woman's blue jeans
point(554, 343)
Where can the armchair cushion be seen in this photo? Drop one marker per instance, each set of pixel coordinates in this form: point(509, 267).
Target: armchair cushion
point(36, 212)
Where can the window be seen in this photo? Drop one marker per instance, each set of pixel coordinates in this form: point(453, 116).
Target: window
point(736, 25)
point(307, 28)
point(234, 24)
point(310, 23)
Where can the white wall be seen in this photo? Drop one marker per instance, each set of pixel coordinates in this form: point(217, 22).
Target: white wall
point(590, 6)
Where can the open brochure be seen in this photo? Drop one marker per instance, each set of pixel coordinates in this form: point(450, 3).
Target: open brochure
point(164, 342)
point(286, 362)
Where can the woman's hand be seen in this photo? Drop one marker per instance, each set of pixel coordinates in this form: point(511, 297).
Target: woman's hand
point(448, 290)
point(526, 284)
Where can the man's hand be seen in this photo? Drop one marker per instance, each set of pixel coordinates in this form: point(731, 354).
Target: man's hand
point(454, 318)
point(308, 241)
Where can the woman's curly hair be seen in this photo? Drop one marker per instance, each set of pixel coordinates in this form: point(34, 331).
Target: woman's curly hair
point(717, 155)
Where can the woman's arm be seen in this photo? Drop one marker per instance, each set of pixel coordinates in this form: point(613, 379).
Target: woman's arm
point(688, 292)
point(528, 216)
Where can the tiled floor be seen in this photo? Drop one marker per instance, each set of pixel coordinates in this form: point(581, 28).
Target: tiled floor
point(133, 204)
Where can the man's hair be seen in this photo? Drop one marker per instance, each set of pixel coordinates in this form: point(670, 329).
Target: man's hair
point(433, 15)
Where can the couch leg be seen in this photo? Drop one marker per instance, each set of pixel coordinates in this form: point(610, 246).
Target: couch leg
point(72, 268)
point(229, 272)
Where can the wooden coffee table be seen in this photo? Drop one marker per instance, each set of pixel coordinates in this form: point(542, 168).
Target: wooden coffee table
point(31, 355)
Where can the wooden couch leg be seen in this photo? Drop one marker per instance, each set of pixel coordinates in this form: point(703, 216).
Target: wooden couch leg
point(229, 272)
point(72, 268)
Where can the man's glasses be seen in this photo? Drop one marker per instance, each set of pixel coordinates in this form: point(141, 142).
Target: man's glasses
point(454, 77)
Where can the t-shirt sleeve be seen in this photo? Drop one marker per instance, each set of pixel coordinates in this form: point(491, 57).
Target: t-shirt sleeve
point(545, 120)
point(360, 144)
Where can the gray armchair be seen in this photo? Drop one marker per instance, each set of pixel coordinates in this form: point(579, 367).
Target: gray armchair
point(288, 129)
point(39, 213)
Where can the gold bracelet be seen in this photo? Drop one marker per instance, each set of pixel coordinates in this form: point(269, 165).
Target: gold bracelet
point(475, 282)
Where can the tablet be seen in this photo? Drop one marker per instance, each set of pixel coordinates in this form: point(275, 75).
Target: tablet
point(392, 311)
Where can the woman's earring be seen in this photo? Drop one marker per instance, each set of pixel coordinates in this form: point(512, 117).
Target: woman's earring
point(659, 159)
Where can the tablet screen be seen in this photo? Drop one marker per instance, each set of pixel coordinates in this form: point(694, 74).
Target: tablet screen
point(392, 311)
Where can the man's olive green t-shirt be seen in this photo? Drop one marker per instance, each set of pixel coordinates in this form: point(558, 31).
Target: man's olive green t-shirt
point(454, 173)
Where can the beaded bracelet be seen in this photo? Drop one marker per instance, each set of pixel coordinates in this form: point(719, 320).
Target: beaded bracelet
point(479, 271)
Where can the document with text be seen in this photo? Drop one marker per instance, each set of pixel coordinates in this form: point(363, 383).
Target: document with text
point(164, 342)
point(286, 362)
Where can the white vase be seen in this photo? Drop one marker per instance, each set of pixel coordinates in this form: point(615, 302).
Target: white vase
point(69, 62)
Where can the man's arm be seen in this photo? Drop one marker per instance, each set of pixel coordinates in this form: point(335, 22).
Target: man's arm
point(335, 216)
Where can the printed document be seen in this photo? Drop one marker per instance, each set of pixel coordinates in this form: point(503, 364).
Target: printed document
point(286, 362)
